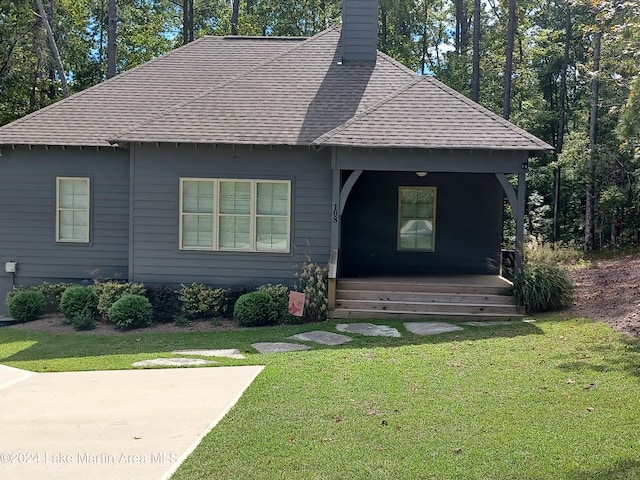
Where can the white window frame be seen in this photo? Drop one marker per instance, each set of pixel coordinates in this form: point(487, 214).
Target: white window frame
point(253, 215)
point(432, 219)
point(86, 210)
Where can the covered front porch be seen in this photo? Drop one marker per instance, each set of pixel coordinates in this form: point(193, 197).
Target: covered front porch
point(446, 267)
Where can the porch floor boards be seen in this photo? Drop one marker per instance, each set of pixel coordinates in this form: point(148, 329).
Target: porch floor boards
point(451, 297)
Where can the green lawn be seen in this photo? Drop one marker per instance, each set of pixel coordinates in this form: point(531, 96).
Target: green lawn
point(554, 399)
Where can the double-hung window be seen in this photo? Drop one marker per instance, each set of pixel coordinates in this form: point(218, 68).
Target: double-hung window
point(416, 218)
point(235, 214)
point(72, 209)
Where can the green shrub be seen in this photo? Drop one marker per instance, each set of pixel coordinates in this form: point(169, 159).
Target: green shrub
point(543, 288)
point(255, 309)
point(280, 296)
point(80, 306)
point(200, 301)
point(165, 302)
point(313, 282)
point(231, 296)
point(25, 305)
point(110, 291)
point(131, 311)
point(52, 295)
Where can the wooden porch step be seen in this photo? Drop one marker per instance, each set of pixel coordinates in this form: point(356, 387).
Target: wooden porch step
point(404, 315)
point(426, 287)
point(424, 307)
point(424, 297)
point(461, 297)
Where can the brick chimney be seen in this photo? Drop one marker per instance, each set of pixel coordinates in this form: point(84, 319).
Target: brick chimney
point(359, 30)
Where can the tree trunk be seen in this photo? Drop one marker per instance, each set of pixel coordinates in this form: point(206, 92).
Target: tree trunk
point(384, 33)
point(508, 65)
point(235, 9)
point(589, 221)
point(562, 121)
point(475, 74)
point(112, 32)
point(54, 47)
point(187, 21)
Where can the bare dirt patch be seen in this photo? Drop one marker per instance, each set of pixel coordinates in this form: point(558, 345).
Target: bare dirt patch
point(55, 323)
point(609, 291)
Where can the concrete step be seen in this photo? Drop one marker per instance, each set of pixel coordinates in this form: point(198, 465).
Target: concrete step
point(424, 297)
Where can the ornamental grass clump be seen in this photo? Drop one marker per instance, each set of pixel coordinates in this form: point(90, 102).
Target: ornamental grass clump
point(543, 288)
point(255, 309)
point(80, 306)
point(313, 282)
point(131, 311)
point(25, 305)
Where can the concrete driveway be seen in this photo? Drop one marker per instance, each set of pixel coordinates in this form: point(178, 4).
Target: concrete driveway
point(116, 425)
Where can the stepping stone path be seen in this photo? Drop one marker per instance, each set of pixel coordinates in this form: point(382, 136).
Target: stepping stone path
point(488, 323)
point(430, 328)
point(368, 329)
point(278, 347)
point(318, 336)
point(322, 337)
point(228, 353)
point(173, 362)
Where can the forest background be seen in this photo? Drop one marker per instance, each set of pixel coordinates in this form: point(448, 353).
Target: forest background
point(566, 71)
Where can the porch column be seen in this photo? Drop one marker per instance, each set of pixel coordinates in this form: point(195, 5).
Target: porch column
point(517, 202)
point(519, 214)
point(335, 232)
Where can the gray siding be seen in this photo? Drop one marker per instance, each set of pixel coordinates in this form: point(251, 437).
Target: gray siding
point(468, 225)
point(156, 257)
point(27, 211)
point(359, 30)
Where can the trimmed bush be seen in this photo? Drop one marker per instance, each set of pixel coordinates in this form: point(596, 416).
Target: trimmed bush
point(52, 295)
point(131, 311)
point(25, 305)
point(110, 291)
point(200, 301)
point(80, 306)
point(280, 296)
point(255, 309)
point(165, 302)
point(231, 296)
point(543, 288)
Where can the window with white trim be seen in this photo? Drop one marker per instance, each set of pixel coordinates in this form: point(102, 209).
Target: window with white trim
point(416, 218)
point(235, 214)
point(72, 209)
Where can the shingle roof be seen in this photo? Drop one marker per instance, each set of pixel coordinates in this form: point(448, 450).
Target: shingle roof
point(272, 91)
point(441, 118)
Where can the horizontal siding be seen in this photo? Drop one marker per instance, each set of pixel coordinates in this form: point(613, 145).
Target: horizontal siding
point(27, 212)
point(157, 170)
point(359, 30)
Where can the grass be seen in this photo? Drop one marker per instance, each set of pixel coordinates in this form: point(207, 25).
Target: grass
point(556, 399)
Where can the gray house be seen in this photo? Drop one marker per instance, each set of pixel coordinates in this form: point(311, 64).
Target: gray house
point(231, 159)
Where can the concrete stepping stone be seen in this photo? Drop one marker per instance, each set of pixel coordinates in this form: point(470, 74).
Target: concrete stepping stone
point(489, 323)
point(173, 362)
point(278, 347)
point(368, 329)
point(227, 353)
point(430, 328)
point(322, 337)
